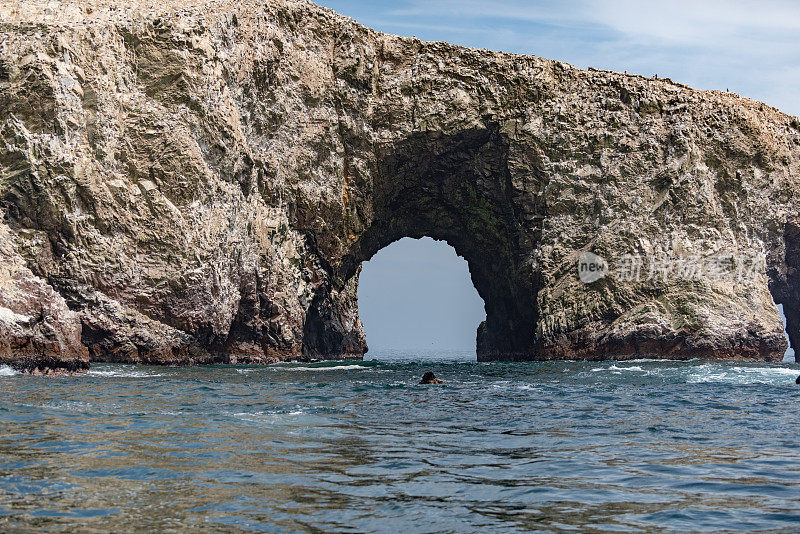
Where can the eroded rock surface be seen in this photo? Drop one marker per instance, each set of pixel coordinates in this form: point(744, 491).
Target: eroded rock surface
point(201, 180)
point(38, 333)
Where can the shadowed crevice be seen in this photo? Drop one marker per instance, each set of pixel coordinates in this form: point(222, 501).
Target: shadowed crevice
point(785, 281)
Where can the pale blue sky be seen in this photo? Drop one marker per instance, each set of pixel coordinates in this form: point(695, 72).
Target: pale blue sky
point(417, 294)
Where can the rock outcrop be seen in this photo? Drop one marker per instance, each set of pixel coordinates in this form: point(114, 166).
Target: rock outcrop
point(430, 379)
point(200, 181)
point(38, 333)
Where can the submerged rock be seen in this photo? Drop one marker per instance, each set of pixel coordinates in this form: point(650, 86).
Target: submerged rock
point(200, 182)
point(430, 378)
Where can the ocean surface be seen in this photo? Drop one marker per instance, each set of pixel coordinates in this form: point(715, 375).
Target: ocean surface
point(359, 447)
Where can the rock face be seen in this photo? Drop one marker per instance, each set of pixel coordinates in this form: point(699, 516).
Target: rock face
point(200, 181)
point(38, 333)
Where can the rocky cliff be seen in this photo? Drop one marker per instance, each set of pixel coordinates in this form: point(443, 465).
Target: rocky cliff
point(192, 181)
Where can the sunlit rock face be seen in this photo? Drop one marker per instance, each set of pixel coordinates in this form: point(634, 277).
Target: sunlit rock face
point(199, 181)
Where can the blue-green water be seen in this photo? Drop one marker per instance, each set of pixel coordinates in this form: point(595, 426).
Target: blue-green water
point(360, 447)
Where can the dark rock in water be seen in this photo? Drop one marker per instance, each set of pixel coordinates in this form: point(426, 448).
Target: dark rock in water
point(430, 378)
point(201, 180)
point(797, 380)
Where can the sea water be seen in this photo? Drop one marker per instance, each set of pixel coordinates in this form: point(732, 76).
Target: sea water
point(361, 447)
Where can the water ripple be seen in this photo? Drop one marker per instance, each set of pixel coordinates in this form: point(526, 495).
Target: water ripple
point(344, 447)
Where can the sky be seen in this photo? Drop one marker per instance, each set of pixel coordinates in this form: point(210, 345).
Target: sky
point(417, 294)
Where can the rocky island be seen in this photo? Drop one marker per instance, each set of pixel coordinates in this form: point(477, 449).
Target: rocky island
point(198, 181)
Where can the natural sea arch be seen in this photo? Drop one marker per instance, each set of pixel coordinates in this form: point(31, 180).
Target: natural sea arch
point(232, 229)
point(457, 189)
point(489, 198)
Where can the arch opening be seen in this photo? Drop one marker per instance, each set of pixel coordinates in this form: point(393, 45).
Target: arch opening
point(789, 355)
point(416, 297)
point(454, 188)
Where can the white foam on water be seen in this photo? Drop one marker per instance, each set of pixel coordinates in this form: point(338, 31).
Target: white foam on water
point(616, 369)
point(710, 373)
point(640, 360)
point(331, 368)
point(121, 373)
point(632, 368)
point(7, 371)
point(767, 370)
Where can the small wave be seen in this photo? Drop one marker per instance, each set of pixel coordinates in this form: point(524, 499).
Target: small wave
point(658, 360)
point(741, 375)
point(614, 368)
point(7, 371)
point(70, 406)
point(265, 417)
point(329, 368)
point(506, 385)
point(766, 370)
point(121, 373)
